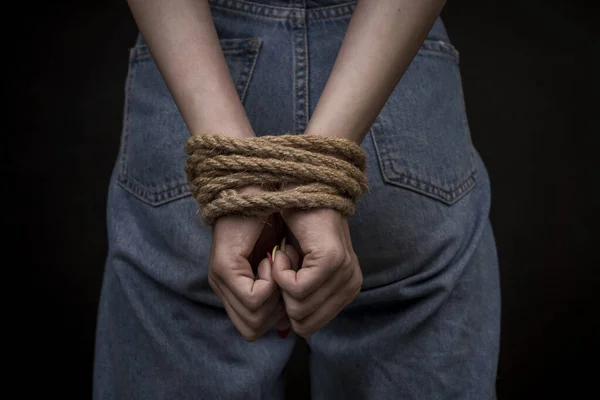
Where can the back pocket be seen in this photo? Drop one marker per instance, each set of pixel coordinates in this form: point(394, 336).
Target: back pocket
point(152, 158)
point(421, 136)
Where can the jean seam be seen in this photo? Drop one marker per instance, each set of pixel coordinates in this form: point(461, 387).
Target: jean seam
point(289, 13)
point(167, 190)
point(253, 51)
point(252, 4)
point(154, 198)
point(126, 120)
point(158, 188)
point(300, 72)
point(141, 53)
point(250, 15)
point(306, 75)
point(329, 19)
point(407, 180)
point(317, 14)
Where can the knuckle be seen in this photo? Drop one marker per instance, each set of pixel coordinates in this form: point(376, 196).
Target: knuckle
point(350, 259)
point(336, 255)
point(331, 253)
point(359, 280)
point(299, 291)
point(294, 311)
point(251, 336)
point(302, 330)
point(252, 302)
point(348, 274)
point(255, 321)
point(217, 269)
point(247, 333)
point(351, 289)
point(354, 286)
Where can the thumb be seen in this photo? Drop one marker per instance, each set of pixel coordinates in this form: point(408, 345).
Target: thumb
point(264, 270)
point(285, 265)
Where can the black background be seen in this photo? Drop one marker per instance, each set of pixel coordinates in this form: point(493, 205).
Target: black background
point(530, 73)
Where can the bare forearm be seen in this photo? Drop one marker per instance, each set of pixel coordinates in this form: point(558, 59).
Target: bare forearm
point(183, 41)
point(381, 40)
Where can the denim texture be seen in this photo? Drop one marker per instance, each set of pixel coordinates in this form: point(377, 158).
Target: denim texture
point(426, 323)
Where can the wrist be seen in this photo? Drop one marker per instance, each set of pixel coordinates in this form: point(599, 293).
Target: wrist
point(342, 132)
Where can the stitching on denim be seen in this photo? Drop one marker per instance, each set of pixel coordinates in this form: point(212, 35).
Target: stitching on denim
point(405, 178)
point(306, 77)
point(168, 190)
point(260, 6)
point(427, 188)
point(250, 15)
point(265, 11)
point(465, 120)
point(254, 50)
point(330, 19)
point(159, 187)
point(164, 186)
point(294, 78)
point(344, 11)
point(142, 52)
point(411, 182)
point(250, 9)
point(299, 70)
point(127, 122)
point(440, 48)
point(157, 198)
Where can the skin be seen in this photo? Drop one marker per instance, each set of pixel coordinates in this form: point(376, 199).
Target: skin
point(381, 40)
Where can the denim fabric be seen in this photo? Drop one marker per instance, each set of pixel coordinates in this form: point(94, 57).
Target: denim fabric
point(426, 324)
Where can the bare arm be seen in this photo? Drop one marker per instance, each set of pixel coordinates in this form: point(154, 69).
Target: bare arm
point(183, 41)
point(382, 39)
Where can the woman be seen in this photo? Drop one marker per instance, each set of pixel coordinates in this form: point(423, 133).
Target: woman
point(180, 301)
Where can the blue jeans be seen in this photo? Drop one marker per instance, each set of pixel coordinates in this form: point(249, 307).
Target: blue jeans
point(426, 324)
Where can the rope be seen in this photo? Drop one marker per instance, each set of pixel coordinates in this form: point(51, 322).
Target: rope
point(323, 172)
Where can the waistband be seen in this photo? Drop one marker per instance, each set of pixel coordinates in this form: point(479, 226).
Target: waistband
point(312, 10)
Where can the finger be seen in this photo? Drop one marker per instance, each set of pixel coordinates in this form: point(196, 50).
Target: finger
point(315, 271)
point(282, 272)
point(284, 323)
point(293, 255)
point(264, 270)
point(300, 309)
point(332, 307)
point(239, 278)
point(248, 332)
point(253, 318)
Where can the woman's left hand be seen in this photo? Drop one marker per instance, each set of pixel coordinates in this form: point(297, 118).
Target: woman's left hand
point(329, 278)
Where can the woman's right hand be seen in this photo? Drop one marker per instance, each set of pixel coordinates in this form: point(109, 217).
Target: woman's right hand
point(240, 244)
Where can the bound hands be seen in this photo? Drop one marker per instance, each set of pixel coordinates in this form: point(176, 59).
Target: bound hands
point(303, 288)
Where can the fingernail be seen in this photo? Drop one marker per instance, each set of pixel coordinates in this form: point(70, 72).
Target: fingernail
point(269, 256)
point(275, 251)
point(282, 244)
point(284, 333)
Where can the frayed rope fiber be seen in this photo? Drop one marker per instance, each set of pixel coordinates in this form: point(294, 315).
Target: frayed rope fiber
point(295, 171)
